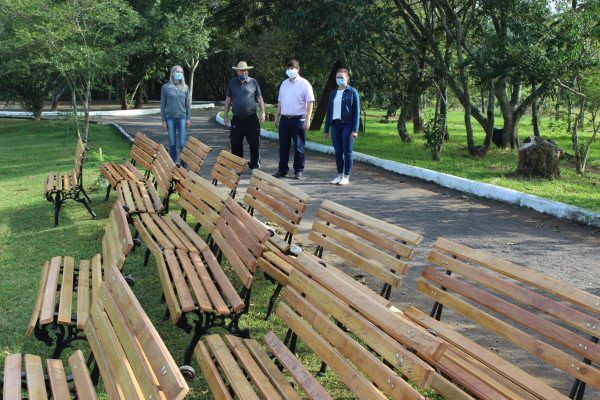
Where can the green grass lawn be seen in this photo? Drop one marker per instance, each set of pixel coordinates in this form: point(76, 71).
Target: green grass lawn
point(28, 152)
point(382, 140)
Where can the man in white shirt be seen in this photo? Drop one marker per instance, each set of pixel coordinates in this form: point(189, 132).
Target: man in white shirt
point(292, 119)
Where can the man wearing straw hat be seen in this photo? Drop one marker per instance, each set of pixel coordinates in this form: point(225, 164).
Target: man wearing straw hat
point(242, 94)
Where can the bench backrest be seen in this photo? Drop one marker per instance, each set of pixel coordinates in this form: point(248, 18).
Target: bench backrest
point(201, 200)
point(78, 162)
point(277, 201)
point(133, 360)
point(143, 150)
point(162, 171)
point(373, 246)
point(117, 240)
point(241, 239)
point(227, 170)
point(491, 291)
point(193, 154)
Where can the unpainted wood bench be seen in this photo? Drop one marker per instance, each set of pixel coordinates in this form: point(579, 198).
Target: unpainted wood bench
point(227, 170)
point(63, 302)
point(60, 187)
point(126, 351)
point(143, 152)
point(553, 321)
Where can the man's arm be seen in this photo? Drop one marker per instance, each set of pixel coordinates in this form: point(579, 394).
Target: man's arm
point(277, 112)
point(226, 111)
point(261, 104)
point(309, 108)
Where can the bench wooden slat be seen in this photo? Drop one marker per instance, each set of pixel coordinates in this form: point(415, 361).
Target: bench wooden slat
point(307, 382)
point(522, 274)
point(34, 371)
point(167, 287)
point(83, 293)
point(236, 245)
point(49, 301)
point(217, 386)
point(38, 303)
point(231, 370)
point(288, 213)
point(137, 198)
point(271, 215)
point(277, 379)
point(65, 305)
point(58, 380)
point(106, 371)
point(183, 293)
point(236, 263)
point(232, 161)
point(447, 389)
point(385, 379)
point(196, 240)
point(556, 333)
point(242, 232)
point(277, 183)
point(81, 377)
point(222, 281)
point(191, 275)
point(150, 226)
point(96, 275)
point(223, 179)
point(490, 359)
point(542, 350)
point(208, 294)
point(252, 369)
point(12, 377)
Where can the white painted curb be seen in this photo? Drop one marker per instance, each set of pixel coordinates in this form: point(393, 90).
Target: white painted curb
point(108, 113)
point(480, 189)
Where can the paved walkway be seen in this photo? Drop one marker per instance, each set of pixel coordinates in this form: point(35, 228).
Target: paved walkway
point(555, 247)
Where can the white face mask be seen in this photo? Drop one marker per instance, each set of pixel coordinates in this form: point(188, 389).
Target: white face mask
point(292, 73)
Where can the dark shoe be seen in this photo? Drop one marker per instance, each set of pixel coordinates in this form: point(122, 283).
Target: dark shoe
point(298, 175)
point(279, 174)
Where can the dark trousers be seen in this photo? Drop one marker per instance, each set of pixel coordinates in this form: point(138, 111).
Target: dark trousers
point(249, 128)
point(291, 130)
point(341, 136)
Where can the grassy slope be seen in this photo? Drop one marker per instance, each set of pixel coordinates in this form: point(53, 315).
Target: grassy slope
point(28, 152)
point(497, 167)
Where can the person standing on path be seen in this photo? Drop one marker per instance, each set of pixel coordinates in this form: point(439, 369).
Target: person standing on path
point(292, 119)
point(343, 117)
point(175, 109)
point(243, 93)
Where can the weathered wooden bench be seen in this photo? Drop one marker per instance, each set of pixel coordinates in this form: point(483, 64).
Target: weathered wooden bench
point(541, 315)
point(126, 351)
point(69, 185)
point(227, 170)
point(370, 362)
point(139, 197)
point(143, 151)
point(189, 270)
point(194, 153)
point(63, 302)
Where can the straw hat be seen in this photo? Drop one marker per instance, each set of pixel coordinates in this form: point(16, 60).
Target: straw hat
point(242, 65)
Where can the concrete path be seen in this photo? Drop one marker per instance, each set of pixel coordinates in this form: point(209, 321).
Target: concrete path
point(561, 249)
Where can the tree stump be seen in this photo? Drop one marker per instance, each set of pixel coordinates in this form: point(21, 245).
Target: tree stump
point(538, 158)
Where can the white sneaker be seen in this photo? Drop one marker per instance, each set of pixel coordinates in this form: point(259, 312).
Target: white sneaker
point(344, 181)
point(336, 180)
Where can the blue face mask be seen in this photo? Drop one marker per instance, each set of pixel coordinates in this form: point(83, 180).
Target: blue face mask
point(178, 76)
point(243, 76)
point(340, 81)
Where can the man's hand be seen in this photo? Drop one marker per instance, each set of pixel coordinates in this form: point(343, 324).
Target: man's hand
point(325, 135)
point(188, 123)
point(276, 121)
point(226, 122)
point(354, 134)
point(261, 119)
point(306, 124)
point(164, 126)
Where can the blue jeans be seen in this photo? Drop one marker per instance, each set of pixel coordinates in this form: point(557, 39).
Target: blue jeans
point(341, 136)
point(291, 130)
point(175, 124)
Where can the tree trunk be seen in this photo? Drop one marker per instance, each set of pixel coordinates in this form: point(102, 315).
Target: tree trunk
point(124, 104)
point(74, 104)
point(416, 112)
point(321, 111)
point(86, 110)
point(491, 102)
point(194, 65)
point(401, 125)
point(58, 91)
point(535, 118)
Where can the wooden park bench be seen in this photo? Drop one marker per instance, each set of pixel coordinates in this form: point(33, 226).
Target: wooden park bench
point(541, 315)
point(63, 302)
point(69, 185)
point(140, 197)
point(227, 170)
point(126, 351)
point(355, 335)
point(191, 276)
point(143, 152)
point(364, 244)
point(194, 153)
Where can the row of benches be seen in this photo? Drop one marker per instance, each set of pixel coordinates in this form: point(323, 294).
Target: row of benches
point(328, 310)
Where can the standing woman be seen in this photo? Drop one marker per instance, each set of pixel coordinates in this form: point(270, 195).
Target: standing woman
point(175, 110)
point(343, 117)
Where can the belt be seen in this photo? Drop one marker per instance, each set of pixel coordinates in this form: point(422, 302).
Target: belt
point(292, 116)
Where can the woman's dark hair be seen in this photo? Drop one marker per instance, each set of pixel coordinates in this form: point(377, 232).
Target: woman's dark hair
point(293, 64)
point(344, 71)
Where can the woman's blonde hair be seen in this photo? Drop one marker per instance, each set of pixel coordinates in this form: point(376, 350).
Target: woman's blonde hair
point(184, 87)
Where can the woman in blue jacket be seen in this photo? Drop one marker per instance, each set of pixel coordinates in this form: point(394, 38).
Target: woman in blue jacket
point(343, 117)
